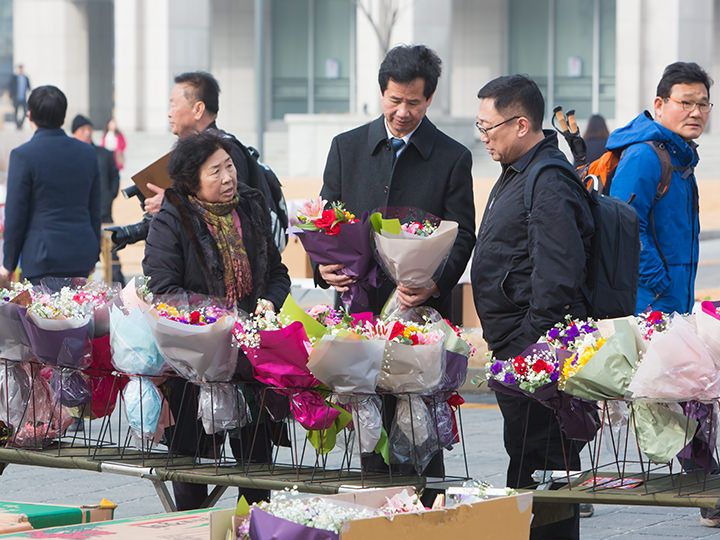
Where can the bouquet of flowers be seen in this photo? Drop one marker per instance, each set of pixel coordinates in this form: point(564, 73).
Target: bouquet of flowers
point(194, 335)
point(445, 401)
point(59, 329)
point(651, 322)
point(335, 236)
point(43, 419)
point(14, 344)
point(413, 364)
point(662, 429)
point(95, 295)
point(571, 333)
point(677, 366)
point(279, 358)
point(602, 368)
point(414, 255)
point(707, 319)
point(14, 392)
point(349, 363)
point(293, 517)
point(535, 374)
point(135, 353)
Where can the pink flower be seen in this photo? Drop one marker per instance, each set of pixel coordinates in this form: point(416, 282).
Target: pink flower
point(312, 209)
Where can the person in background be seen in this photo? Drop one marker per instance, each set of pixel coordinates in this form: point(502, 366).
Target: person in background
point(670, 225)
point(52, 212)
point(82, 130)
point(19, 88)
point(114, 140)
point(595, 136)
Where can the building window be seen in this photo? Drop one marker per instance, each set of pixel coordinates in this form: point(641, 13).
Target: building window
point(312, 47)
point(6, 42)
point(572, 56)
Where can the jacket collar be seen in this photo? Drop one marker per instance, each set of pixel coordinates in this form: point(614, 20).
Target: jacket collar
point(49, 132)
point(522, 163)
point(423, 138)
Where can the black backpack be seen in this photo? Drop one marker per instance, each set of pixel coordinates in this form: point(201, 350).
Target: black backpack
point(266, 181)
point(278, 206)
point(613, 269)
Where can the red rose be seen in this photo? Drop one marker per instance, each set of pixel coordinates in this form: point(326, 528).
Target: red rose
point(549, 368)
point(396, 331)
point(520, 365)
point(194, 317)
point(539, 366)
point(655, 317)
point(326, 221)
point(414, 339)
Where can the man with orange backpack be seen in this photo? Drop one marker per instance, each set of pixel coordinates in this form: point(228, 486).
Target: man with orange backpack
point(655, 174)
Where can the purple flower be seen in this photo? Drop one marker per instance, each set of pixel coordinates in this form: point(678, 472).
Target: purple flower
point(554, 376)
point(554, 333)
point(509, 378)
point(497, 367)
point(588, 329)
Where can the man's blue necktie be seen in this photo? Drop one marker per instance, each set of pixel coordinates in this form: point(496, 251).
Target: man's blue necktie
point(397, 145)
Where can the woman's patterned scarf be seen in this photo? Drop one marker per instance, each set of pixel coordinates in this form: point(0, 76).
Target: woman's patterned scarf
point(224, 225)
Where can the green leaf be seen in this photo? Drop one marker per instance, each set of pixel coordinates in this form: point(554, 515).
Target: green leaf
point(291, 311)
point(382, 447)
point(323, 440)
point(242, 508)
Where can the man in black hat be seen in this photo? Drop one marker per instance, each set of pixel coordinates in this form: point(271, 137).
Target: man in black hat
point(82, 129)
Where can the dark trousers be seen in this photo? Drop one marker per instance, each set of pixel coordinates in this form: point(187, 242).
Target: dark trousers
point(187, 437)
point(533, 442)
point(190, 496)
point(20, 118)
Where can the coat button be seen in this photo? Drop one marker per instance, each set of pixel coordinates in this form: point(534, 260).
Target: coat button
point(385, 189)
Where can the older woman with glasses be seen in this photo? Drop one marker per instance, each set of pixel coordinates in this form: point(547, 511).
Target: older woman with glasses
point(212, 236)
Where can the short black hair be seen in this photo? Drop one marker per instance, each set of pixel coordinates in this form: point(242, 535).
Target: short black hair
point(205, 88)
point(187, 158)
point(516, 95)
point(405, 63)
point(47, 106)
point(682, 73)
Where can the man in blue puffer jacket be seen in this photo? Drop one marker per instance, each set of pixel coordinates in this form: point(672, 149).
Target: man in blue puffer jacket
point(669, 252)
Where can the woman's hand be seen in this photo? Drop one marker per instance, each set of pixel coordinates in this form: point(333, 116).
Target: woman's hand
point(4, 277)
point(263, 306)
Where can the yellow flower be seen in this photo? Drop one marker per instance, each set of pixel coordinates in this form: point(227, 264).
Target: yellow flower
point(575, 363)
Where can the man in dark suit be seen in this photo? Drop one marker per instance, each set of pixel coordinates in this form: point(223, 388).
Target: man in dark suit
point(52, 211)
point(19, 88)
point(82, 129)
point(402, 159)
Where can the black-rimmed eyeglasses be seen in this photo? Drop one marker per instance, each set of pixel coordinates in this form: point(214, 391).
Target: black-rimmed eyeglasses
point(484, 131)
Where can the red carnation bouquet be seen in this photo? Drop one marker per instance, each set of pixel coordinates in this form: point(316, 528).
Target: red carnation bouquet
point(312, 217)
point(335, 236)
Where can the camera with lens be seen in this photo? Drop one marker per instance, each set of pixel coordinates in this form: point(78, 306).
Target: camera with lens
point(133, 191)
point(122, 235)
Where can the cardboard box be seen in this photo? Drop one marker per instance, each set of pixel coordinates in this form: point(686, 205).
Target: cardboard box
point(296, 260)
point(18, 516)
point(504, 517)
point(190, 525)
